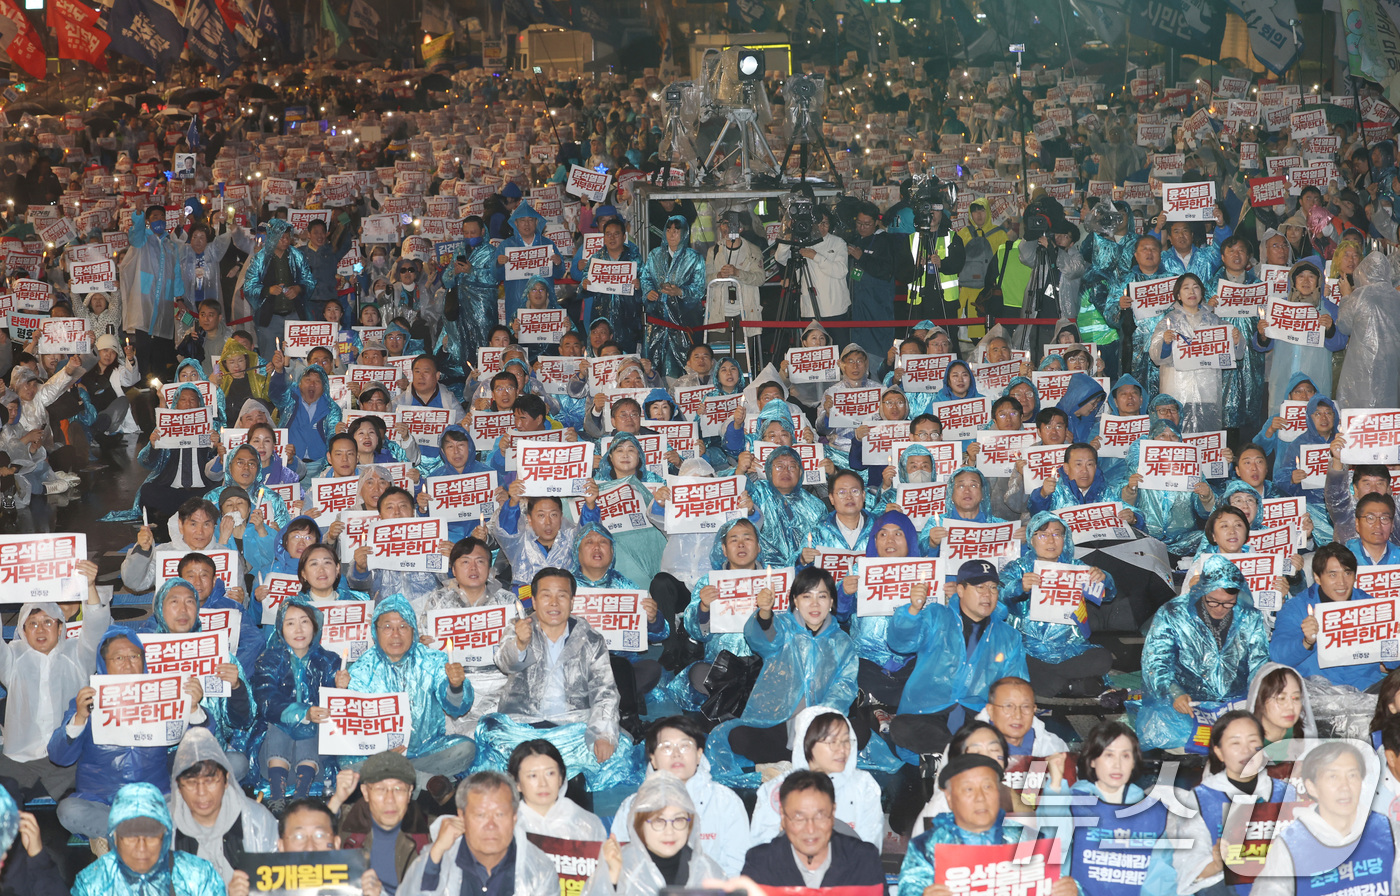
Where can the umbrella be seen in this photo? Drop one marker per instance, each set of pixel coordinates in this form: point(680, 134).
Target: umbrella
point(436, 81)
point(1334, 114)
point(175, 112)
point(126, 88)
point(187, 95)
point(100, 123)
point(150, 100)
point(20, 146)
point(113, 109)
point(258, 92)
point(28, 108)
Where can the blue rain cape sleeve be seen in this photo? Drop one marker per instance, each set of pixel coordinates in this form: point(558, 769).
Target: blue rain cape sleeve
point(1167, 516)
point(1287, 462)
point(667, 347)
point(946, 671)
point(1049, 642)
point(1182, 655)
point(176, 873)
point(917, 873)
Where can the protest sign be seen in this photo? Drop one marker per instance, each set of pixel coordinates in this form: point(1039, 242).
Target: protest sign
point(524, 262)
point(363, 375)
point(974, 541)
point(921, 501)
point(196, 654)
point(1060, 594)
point(1315, 460)
point(363, 724)
point(716, 411)
point(1276, 540)
point(468, 496)
point(470, 635)
point(995, 377)
point(1117, 433)
point(1151, 297)
point(555, 372)
point(189, 428)
point(587, 183)
point(1261, 571)
point(998, 451)
point(299, 337)
point(1295, 420)
point(335, 494)
point(702, 504)
point(553, 468)
point(622, 508)
point(280, 587)
point(1268, 191)
point(411, 544)
point(946, 456)
point(150, 710)
point(1379, 581)
point(1211, 453)
point(885, 583)
point(1209, 348)
point(923, 373)
point(316, 873)
point(1372, 436)
point(42, 567)
point(1042, 462)
point(1239, 299)
point(1189, 201)
point(813, 365)
point(962, 418)
point(616, 614)
point(614, 278)
point(839, 563)
point(738, 593)
point(682, 436)
point(574, 860)
point(1095, 522)
point(877, 447)
point(488, 426)
point(227, 566)
point(425, 425)
point(1294, 322)
point(99, 275)
point(811, 455)
point(1169, 466)
point(852, 407)
point(994, 870)
point(541, 326)
point(1355, 632)
point(345, 627)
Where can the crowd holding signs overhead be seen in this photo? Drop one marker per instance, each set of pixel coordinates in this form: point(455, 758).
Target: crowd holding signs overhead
point(480, 494)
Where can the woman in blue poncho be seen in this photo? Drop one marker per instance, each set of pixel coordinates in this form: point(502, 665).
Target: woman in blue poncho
point(788, 510)
point(883, 672)
point(673, 288)
point(1203, 646)
point(1323, 418)
point(287, 679)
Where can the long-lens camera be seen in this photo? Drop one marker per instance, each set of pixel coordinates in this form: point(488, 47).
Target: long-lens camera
point(800, 221)
point(929, 195)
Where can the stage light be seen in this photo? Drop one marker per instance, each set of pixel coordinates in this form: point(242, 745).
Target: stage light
point(750, 65)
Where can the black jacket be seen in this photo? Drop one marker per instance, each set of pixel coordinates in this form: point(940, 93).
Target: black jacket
point(854, 863)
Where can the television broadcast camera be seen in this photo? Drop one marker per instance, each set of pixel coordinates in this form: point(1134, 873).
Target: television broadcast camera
point(929, 194)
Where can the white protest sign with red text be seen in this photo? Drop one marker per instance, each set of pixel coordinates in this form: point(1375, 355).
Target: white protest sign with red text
point(363, 724)
point(738, 594)
point(1356, 632)
point(1060, 593)
point(553, 468)
point(702, 504)
point(469, 635)
point(885, 583)
point(616, 614)
point(148, 710)
point(1169, 466)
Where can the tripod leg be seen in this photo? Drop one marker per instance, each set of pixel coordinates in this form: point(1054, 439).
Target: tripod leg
point(714, 148)
point(836, 175)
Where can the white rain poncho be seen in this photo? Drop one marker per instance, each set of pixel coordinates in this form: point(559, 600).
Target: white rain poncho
point(1370, 316)
point(1199, 391)
point(640, 876)
point(723, 826)
point(565, 819)
point(41, 685)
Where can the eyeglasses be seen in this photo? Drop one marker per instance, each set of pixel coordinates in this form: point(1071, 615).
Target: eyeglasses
point(202, 782)
point(387, 788)
point(670, 748)
point(1016, 709)
point(849, 492)
point(1219, 604)
point(679, 823)
point(1047, 533)
point(1374, 518)
point(802, 821)
point(318, 836)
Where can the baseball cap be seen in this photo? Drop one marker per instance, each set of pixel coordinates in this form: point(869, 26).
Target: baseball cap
point(966, 762)
point(975, 572)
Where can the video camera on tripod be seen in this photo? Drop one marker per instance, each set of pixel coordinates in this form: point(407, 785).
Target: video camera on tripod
point(929, 195)
point(800, 221)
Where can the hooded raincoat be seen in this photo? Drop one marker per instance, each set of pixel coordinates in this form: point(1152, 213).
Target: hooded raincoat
point(1082, 390)
point(242, 825)
point(640, 876)
point(684, 268)
point(786, 517)
point(309, 430)
point(515, 289)
point(1049, 642)
point(1370, 316)
point(256, 272)
point(722, 829)
point(946, 669)
point(175, 873)
point(288, 685)
point(1287, 462)
point(1199, 390)
point(1285, 359)
point(470, 312)
point(535, 874)
point(1167, 516)
point(150, 281)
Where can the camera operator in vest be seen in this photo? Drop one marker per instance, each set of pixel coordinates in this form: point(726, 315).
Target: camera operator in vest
point(938, 249)
point(1048, 251)
point(980, 238)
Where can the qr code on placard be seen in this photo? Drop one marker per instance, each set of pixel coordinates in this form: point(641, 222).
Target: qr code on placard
point(1314, 338)
point(435, 562)
point(1222, 361)
point(631, 641)
point(576, 486)
point(174, 731)
point(357, 649)
point(393, 739)
point(1390, 649)
point(636, 520)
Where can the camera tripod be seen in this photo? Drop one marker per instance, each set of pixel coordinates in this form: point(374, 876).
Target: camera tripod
point(803, 153)
point(926, 270)
point(796, 278)
point(1044, 278)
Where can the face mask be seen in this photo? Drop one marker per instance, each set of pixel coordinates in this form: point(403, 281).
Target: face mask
point(920, 477)
point(474, 241)
point(158, 228)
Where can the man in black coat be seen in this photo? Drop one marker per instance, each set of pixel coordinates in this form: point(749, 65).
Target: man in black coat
point(809, 853)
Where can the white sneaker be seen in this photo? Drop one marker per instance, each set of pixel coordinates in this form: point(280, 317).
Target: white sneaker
point(56, 486)
point(72, 477)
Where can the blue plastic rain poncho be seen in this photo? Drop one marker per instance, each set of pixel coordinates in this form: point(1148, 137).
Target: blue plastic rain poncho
point(1019, 381)
point(871, 633)
point(623, 312)
point(175, 873)
point(946, 671)
point(220, 410)
point(1186, 655)
point(515, 289)
point(1048, 642)
point(311, 432)
point(1244, 385)
point(1112, 467)
point(801, 668)
point(1200, 391)
point(421, 672)
point(786, 517)
point(1101, 254)
point(257, 272)
point(277, 514)
point(638, 555)
point(918, 872)
point(286, 684)
point(946, 393)
point(1082, 391)
point(829, 536)
point(1141, 861)
point(1166, 516)
point(685, 268)
point(1067, 492)
point(775, 411)
point(156, 460)
point(1205, 263)
point(1134, 351)
point(1268, 442)
point(983, 515)
point(887, 496)
point(439, 467)
point(1287, 462)
point(1286, 645)
point(1285, 359)
point(469, 315)
point(150, 281)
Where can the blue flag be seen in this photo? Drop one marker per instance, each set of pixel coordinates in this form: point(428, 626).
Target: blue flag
point(210, 37)
point(192, 132)
point(269, 24)
point(147, 32)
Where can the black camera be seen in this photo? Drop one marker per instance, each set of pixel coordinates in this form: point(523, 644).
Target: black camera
point(800, 221)
point(1035, 225)
point(929, 195)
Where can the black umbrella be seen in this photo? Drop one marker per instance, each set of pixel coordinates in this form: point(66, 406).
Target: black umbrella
point(258, 92)
point(436, 81)
point(20, 146)
point(100, 124)
point(295, 79)
point(150, 100)
point(127, 88)
point(29, 108)
point(193, 95)
point(113, 109)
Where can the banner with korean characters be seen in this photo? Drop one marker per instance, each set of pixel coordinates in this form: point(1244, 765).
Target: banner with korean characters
point(614, 278)
point(587, 183)
point(922, 501)
point(682, 436)
point(1117, 433)
point(1042, 462)
point(962, 418)
point(690, 399)
point(1356, 632)
point(524, 262)
point(1372, 436)
point(738, 593)
point(42, 567)
point(412, 544)
point(303, 873)
point(1051, 385)
point(1209, 348)
point(812, 457)
point(425, 425)
point(468, 496)
point(1315, 460)
point(998, 451)
point(1289, 512)
point(1294, 322)
point(197, 654)
point(623, 507)
point(150, 710)
point(541, 326)
point(1151, 297)
point(1239, 299)
point(227, 567)
point(470, 635)
point(923, 373)
point(816, 364)
point(839, 563)
point(1169, 466)
point(1379, 581)
point(98, 275)
point(995, 870)
point(994, 377)
point(346, 629)
point(1295, 420)
point(1060, 594)
point(299, 337)
point(1096, 522)
point(886, 583)
point(363, 724)
point(946, 457)
point(556, 371)
point(280, 586)
point(979, 541)
point(716, 412)
point(1211, 453)
point(852, 407)
point(702, 504)
point(189, 428)
point(616, 614)
point(336, 494)
point(553, 468)
point(488, 426)
point(1189, 201)
point(1268, 191)
point(1262, 571)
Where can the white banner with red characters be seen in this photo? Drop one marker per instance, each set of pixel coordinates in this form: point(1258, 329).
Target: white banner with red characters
point(1294, 322)
point(1151, 297)
point(613, 278)
point(587, 183)
point(149, 710)
point(1315, 460)
point(197, 653)
point(738, 594)
point(226, 620)
point(1267, 191)
point(1042, 463)
point(280, 586)
point(962, 418)
point(1060, 594)
point(1169, 466)
point(299, 337)
point(1357, 632)
point(408, 544)
point(93, 276)
point(839, 563)
point(1276, 540)
point(716, 411)
point(1209, 348)
point(469, 635)
point(1261, 570)
point(701, 504)
point(994, 377)
point(556, 371)
point(682, 436)
point(946, 456)
point(813, 365)
point(1211, 452)
point(42, 567)
point(877, 447)
point(1372, 436)
point(1095, 522)
point(345, 627)
point(336, 494)
point(885, 583)
point(524, 262)
point(541, 326)
point(363, 375)
point(363, 724)
point(616, 614)
point(1295, 420)
point(812, 458)
point(553, 468)
point(602, 372)
point(998, 452)
point(183, 428)
point(852, 407)
point(1117, 433)
point(921, 501)
point(1189, 202)
point(1009, 870)
point(227, 567)
point(690, 399)
point(623, 508)
point(978, 541)
point(1288, 512)
point(923, 373)
point(1051, 385)
point(488, 426)
point(1239, 299)
point(1379, 581)
point(469, 496)
point(425, 425)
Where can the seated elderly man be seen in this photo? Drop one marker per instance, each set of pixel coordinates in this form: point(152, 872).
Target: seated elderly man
point(559, 684)
point(477, 850)
point(809, 852)
point(144, 857)
point(42, 670)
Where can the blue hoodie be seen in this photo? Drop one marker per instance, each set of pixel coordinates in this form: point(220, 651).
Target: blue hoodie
point(870, 633)
point(1287, 462)
point(1082, 390)
point(439, 467)
point(286, 684)
point(1268, 442)
point(515, 289)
